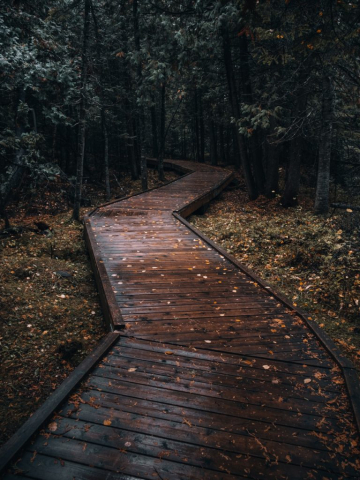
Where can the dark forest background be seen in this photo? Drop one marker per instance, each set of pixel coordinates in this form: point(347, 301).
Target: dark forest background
point(88, 87)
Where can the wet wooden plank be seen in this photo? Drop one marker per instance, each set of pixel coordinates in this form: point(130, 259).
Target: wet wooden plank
point(187, 418)
point(244, 369)
point(116, 461)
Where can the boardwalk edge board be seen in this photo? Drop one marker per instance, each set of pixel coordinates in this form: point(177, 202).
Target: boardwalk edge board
point(202, 200)
point(111, 312)
point(43, 413)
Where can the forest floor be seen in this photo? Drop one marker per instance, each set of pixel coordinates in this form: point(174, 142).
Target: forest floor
point(48, 298)
point(50, 316)
point(313, 260)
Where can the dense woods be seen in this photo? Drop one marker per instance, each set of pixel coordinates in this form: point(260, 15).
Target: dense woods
point(89, 87)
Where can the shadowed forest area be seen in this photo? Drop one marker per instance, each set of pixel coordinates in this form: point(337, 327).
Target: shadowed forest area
point(89, 89)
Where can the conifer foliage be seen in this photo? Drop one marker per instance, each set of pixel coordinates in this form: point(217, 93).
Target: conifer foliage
point(94, 85)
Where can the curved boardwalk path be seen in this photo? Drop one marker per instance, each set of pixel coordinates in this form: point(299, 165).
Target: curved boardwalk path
point(208, 374)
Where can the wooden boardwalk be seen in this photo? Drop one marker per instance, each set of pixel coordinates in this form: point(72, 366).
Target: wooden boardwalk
point(208, 374)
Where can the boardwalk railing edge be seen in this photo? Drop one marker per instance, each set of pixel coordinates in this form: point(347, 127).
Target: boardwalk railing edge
point(44, 412)
point(111, 312)
point(347, 367)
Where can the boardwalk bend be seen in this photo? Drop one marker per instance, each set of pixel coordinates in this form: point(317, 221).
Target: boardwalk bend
point(207, 372)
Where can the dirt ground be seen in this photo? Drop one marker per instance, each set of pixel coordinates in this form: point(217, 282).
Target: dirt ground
point(50, 317)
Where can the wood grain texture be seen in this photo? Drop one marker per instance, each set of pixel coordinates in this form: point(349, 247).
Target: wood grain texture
point(215, 375)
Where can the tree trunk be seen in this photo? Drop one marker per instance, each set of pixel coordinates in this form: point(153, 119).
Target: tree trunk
point(291, 191)
point(323, 179)
point(82, 114)
point(247, 97)
point(258, 168)
point(234, 104)
point(15, 172)
point(235, 144)
point(132, 149)
point(223, 159)
point(183, 153)
point(272, 164)
point(202, 130)
point(144, 173)
point(245, 70)
point(213, 143)
point(142, 158)
point(197, 135)
point(155, 148)
point(143, 164)
point(103, 113)
point(292, 185)
point(162, 134)
point(106, 160)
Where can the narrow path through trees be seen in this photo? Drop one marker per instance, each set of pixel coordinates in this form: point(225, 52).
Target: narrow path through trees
point(213, 375)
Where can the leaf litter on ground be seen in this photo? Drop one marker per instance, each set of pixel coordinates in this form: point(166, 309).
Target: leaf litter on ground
point(50, 316)
point(314, 260)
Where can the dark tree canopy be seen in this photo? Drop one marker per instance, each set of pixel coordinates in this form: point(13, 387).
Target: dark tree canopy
point(104, 84)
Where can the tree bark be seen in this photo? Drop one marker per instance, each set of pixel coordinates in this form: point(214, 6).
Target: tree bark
point(223, 158)
point(106, 159)
point(132, 148)
point(202, 129)
point(15, 172)
point(162, 134)
point(155, 147)
point(247, 97)
point(143, 164)
point(142, 158)
point(258, 168)
point(104, 127)
point(323, 179)
point(272, 164)
point(213, 143)
point(291, 191)
point(235, 146)
point(184, 151)
point(197, 134)
point(234, 104)
point(292, 185)
point(82, 113)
